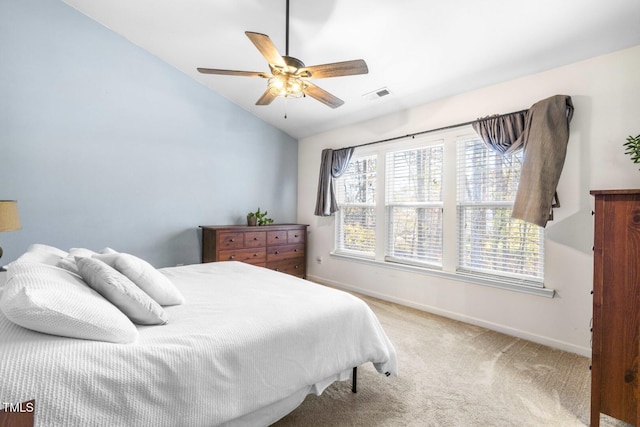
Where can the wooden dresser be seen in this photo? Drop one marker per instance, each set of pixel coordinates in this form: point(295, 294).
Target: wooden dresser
point(281, 247)
point(616, 306)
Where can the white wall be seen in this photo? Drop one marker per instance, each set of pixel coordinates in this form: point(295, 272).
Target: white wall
point(607, 109)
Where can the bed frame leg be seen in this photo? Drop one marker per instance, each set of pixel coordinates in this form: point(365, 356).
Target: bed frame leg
point(354, 380)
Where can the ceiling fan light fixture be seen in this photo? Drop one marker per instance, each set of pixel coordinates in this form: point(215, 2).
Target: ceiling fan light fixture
point(286, 85)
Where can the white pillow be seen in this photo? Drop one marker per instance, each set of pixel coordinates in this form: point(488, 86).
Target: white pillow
point(50, 300)
point(69, 261)
point(122, 292)
point(46, 254)
point(155, 284)
point(42, 254)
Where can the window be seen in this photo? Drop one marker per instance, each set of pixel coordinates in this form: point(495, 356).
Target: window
point(356, 194)
point(489, 240)
point(441, 202)
point(414, 205)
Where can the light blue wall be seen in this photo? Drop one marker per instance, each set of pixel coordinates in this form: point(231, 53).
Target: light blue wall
point(103, 144)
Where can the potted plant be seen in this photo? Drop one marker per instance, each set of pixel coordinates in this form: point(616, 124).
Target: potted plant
point(252, 219)
point(633, 148)
point(258, 218)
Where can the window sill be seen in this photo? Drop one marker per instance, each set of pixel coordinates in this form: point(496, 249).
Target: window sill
point(515, 286)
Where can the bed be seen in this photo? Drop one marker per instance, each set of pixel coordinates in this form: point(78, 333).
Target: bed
point(244, 349)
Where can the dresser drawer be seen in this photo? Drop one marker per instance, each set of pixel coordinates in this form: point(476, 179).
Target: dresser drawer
point(230, 240)
point(294, 266)
point(255, 239)
point(277, 237)
point(276, 253)
point(253, 256)
point(295, 236)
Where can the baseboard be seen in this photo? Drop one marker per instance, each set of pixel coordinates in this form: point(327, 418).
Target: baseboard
point(550, 342)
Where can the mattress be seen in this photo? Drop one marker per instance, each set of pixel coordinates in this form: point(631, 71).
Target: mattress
point(245, 349)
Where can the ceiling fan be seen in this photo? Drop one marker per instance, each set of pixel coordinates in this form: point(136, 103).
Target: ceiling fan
point(289, 76)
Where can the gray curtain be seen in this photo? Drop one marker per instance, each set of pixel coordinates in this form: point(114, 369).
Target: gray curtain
point(332, 165)
point(502, 133)
point(544, 142)
point(543, 133)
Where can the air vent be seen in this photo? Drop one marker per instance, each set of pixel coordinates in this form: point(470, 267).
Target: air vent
point(379, 93)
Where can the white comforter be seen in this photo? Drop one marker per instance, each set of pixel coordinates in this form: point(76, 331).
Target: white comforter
point(245, 349)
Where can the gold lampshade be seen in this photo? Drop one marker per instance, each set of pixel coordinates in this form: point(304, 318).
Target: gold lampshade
point(9, 218)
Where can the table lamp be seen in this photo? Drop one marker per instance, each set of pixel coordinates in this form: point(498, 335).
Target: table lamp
point(9, 218)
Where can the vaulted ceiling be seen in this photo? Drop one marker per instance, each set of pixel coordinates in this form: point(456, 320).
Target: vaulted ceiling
point(419, 50)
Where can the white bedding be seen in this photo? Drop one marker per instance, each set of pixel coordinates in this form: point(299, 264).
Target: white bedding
point(245, 349)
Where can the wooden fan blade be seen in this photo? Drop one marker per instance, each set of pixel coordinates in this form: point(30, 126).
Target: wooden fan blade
point(322, 95)
point(266, 98)
point(234, 72)
point(266, 48)
point(336, 69)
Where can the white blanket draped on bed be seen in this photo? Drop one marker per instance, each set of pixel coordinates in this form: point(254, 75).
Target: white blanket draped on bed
point(245, 348)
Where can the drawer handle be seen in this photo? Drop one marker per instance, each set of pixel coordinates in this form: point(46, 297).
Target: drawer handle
point(255, 238)
point(255, 255)
point(296, 267)
point(295, 250)
point(277, 237)
point(232, 257)
point(232, 240)
point(277, 269)
point(295, 235)
point(277, 252)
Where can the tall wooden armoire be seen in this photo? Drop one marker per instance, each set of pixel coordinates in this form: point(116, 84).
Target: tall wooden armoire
point(616, 306)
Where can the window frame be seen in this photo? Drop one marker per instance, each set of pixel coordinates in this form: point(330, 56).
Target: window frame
point(339, 224)
point(389, 206)
point(491, 204)
point(450, 239)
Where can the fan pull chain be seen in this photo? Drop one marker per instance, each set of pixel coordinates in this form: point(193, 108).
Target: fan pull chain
point(285, 107)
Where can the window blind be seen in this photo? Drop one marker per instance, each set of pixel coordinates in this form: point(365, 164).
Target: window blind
point(356, 196)
point(414, 205)
point(489, 239)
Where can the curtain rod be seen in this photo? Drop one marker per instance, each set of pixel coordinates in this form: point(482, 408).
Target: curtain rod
point(411, 135)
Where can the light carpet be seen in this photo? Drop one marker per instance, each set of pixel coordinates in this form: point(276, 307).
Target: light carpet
point(455, 374)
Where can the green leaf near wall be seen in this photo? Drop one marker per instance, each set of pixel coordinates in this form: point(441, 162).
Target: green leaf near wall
point(633, 148)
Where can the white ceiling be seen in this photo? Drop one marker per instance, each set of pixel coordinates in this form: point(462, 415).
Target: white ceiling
point(421, 50)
